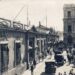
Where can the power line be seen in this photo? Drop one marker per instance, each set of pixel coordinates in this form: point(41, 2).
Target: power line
point(18, 12)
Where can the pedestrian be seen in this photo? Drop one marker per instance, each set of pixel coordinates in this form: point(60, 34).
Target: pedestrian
point(32, 69)
point(69, 57)
point(34, 63)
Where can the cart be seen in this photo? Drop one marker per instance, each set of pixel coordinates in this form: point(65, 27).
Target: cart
point(50, 68)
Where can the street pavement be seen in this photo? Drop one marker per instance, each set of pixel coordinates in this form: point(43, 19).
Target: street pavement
point(40, 68)
point(65, 68)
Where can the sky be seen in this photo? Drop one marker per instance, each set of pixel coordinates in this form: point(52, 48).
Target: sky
point(37, 11)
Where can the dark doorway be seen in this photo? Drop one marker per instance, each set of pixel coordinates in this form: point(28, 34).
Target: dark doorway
point(17, 54)
point(4, 57)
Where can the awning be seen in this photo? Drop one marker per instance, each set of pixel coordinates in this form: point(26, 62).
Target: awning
point(3, 42)
point(17, 41)
point(49, 42)
point(29, 47)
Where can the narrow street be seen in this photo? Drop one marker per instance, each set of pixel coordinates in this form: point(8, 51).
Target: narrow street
point(40, 69)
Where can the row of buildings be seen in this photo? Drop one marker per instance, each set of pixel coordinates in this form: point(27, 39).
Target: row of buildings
point(20, 44)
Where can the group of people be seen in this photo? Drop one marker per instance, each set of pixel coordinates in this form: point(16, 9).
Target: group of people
point(71, 56)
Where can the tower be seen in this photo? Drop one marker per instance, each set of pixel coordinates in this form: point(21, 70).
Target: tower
point(69, 24)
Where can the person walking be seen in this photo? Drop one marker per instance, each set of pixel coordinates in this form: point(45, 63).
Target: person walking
point(32, 69)
point(69, 57)
point(34, 63)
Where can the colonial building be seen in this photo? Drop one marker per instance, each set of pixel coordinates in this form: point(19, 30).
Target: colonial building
point(69, 24)
point(36, 44)
point(19, 46)
point(12, 47)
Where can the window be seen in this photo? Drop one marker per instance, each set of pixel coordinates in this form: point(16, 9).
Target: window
point(4, 57)
point(69, 14)
point(69, 28)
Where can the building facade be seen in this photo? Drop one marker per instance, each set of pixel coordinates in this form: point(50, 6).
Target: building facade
point(12, 48)
point(19, 46)
point(69, 24)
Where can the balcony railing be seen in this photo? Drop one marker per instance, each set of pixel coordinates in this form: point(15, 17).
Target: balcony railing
point(5, 23)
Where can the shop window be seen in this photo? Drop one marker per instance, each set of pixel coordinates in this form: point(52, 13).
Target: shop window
point(4, 57)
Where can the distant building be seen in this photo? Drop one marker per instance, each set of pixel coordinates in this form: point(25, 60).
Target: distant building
point(69, 24)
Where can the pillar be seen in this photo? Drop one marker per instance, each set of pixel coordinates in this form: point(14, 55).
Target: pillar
point(11, 52)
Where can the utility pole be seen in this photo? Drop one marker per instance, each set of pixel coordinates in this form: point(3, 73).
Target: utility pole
point(27, 17)
point(28, 21)
point(46, 21)
point(46, 18)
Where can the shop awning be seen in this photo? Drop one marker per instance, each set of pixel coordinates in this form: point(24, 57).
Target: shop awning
point(3, 42)
point(17, 41)
point(49, 42)
point(29, 47)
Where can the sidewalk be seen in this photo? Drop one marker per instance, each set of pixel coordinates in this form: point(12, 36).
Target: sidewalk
point(28, 72)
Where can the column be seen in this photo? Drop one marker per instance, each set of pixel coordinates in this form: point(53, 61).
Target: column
point(22, 49)
point(40, 44)
point(43, 44)
point(11, 52)
point(35, 42)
